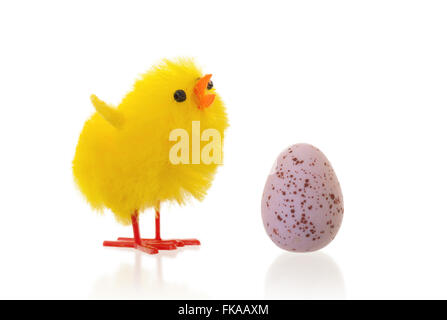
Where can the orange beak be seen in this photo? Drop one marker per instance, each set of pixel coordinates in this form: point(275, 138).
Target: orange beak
point(203, 99)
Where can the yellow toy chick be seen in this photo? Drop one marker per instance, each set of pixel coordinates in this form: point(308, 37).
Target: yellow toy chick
point(123, 159)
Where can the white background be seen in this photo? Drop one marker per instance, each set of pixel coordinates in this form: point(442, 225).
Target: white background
point(364, 81)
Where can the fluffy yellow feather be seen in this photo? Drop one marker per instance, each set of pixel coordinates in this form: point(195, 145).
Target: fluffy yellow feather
point(122, 157)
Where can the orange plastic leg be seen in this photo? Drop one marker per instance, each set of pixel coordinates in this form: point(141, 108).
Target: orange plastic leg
point(135, 242)
point(160, 244)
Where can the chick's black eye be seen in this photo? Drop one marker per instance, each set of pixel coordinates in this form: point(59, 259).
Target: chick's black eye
point(210, 85)
point(180, 96)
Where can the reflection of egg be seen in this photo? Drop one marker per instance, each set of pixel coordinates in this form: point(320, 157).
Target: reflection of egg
point(304, 276)
point(302, 204)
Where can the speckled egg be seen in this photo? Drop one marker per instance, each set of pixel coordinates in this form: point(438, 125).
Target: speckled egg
point(302, 204)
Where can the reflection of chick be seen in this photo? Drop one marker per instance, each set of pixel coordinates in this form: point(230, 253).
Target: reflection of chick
point(137, 282)
point(122, 157)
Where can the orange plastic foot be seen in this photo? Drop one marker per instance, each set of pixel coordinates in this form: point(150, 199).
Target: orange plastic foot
point(171, 244)
point(150, 246)
point(131, 244)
